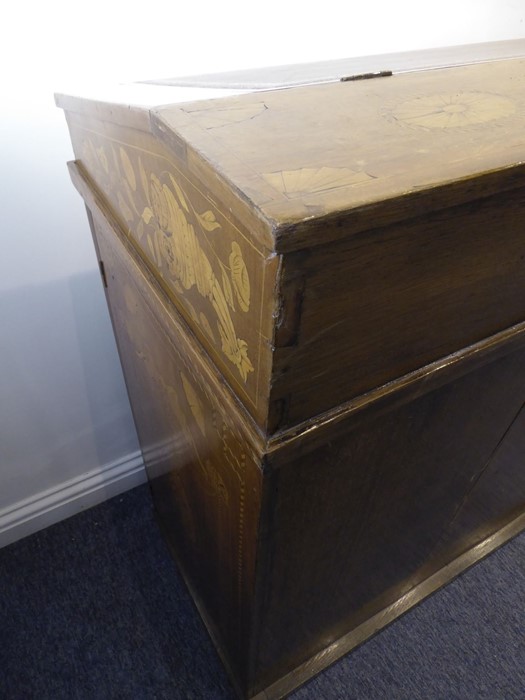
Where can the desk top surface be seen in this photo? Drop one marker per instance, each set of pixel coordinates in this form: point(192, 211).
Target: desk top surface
point(331, 148)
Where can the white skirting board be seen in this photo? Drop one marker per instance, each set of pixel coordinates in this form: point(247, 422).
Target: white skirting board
point(69, 498)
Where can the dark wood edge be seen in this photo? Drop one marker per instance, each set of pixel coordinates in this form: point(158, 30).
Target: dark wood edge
point(373, 625)
point(343, 224)
point(311, 433)
point(181, 337)
point(287, 237)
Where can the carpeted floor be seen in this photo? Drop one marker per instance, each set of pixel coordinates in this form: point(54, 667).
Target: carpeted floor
point(93, 609)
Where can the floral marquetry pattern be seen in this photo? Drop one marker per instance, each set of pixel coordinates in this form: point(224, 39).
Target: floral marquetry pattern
point(452, 110)
point(190, 441)
point(173, 233)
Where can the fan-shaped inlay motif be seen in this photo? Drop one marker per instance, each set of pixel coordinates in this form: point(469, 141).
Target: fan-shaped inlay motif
point(216, 117)
point(451, 110)
point(306, 181)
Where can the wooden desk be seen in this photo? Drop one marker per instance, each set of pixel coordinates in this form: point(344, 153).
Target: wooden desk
point(318, 295)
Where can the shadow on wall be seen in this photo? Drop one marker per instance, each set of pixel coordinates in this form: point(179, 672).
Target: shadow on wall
point(64, 409)
point(105, 389)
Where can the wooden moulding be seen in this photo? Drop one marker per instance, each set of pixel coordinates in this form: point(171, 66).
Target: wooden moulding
point(299, 545)
point(368, 629)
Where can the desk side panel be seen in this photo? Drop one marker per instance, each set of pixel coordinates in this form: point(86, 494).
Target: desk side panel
point(204, 472)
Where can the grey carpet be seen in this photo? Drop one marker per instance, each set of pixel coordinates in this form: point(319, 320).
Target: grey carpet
point(94, 609)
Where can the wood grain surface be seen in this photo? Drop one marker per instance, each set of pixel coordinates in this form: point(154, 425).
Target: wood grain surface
point(300, 155)
point(318, 296)
point(365, 274)
point(204, 473)
point(381, 304)
point(219, 279)
point(359, 522)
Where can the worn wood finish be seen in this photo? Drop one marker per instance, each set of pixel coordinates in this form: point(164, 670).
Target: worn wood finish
point(204, 469)
point(220, 280)
point(227, 501)
point(318, 298)
point(377, 622)
point(398, 300)
point(360, 521)
point(331, 150)
point(349, 260)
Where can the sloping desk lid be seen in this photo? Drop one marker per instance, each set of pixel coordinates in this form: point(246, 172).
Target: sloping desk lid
point(343, 155)
point(332, 150)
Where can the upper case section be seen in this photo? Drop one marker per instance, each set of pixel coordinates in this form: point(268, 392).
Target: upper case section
point(324, 240)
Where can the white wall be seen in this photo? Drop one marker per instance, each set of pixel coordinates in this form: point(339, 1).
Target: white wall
point(66, 435)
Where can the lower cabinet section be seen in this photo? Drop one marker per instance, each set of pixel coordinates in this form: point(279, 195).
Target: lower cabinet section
point(299, 546)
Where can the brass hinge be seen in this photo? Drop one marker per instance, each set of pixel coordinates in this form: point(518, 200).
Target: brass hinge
point(367, 76)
